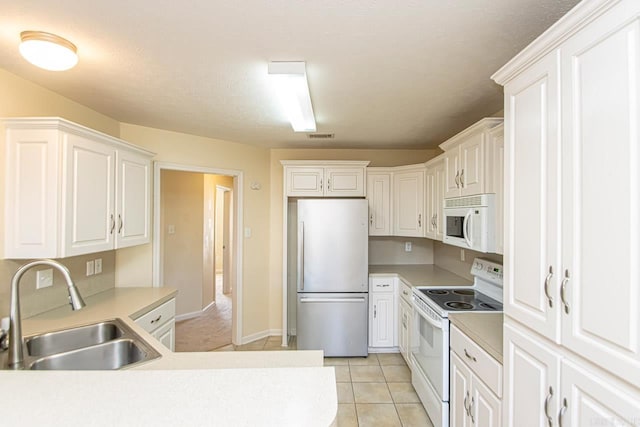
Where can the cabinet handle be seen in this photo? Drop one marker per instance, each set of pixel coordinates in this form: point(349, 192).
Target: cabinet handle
point(473, 421)
point(375, 311)
point(113, 224)
point(461, 178)
point(405, 292)
point(458, 179)
point(562, 411)
point(157, 319)
point(121, 224)
point(546, 407)
point(329, 184)
point(547, 280)
point(371, 219)
point(384, 285)
point(466, 353)
point(466, 408)
point(320, 184)
point(419, 220)
point(563, 288)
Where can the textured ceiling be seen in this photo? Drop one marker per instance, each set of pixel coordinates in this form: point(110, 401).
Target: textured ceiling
point(382, 74)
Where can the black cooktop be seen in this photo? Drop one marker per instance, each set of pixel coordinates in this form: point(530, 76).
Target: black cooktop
point(463, 299)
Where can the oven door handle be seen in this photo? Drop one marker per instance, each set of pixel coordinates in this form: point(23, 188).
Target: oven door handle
point(428, 318)
point(465, 229)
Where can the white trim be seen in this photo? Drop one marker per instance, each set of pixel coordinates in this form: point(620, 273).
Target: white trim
point(193, 314)
point(262, 334)
point(237, 267)
point(384, 350)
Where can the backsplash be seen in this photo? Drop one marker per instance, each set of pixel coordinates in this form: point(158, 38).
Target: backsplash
point(448, 257)
point(391, 250)
point(35, 301)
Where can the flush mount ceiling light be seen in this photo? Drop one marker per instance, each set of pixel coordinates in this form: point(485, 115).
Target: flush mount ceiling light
point(48, 51)
point(293, 89)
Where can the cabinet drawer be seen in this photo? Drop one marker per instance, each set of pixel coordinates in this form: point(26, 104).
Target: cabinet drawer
point(405, 291)
point(383, 284)
point(484, 366)
point(158, 316)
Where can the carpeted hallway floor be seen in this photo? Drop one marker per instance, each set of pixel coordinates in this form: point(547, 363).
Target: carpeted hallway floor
point(209, 331)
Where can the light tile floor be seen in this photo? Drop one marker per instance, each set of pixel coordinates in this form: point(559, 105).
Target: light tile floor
point(373, 391)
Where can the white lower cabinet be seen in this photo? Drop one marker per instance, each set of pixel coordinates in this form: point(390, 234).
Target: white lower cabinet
point(383, 322)
point(405, 320)
point(160, 323)
point(545, 386)
point(475, 384)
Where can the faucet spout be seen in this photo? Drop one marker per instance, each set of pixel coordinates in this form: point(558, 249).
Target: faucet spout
point(16, 356)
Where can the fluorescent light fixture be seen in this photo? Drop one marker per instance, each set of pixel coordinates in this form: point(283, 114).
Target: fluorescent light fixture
point(293, 89)
point(48, 51)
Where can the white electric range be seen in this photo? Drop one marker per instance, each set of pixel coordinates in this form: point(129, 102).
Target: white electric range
point(430, 332)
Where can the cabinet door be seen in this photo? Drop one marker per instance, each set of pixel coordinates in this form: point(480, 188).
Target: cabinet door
point(305, 181)
point(459, 393)
point(344, 182)
point(430, 226)
point(379, 198)
point(485, 408)
point(166, 334)
point(133, 204)
point(382, 332)
point(601, 191)
point(532, 198)
point(404, 320)
point(89, 194)
point(440, 190)
point(408, 199)
point(591, 400)
point(452, 166)
point(496, 148)
point(472, 165)
point(532, 380)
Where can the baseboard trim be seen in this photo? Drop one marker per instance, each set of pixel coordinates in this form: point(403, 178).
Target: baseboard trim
point(262, 334)
point(384, 350)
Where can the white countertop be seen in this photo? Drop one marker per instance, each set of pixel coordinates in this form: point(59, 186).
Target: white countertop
point(420, 274)
point(280, 388)
point(485, 329)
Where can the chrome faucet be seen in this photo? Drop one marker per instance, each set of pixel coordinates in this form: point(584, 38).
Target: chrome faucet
point(16, 357)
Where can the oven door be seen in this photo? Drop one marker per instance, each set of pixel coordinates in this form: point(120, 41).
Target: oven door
point(458, 227)
point(430, 349)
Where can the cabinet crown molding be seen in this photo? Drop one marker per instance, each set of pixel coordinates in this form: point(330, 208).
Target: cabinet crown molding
point(64, 125)
point(321, 163)
point(482, 125)
point(573, 21)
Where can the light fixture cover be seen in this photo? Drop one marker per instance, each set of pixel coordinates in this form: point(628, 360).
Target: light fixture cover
point(293, 89)
point(48, 51)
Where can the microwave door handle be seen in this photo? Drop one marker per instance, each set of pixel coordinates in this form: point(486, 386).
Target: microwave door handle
point(465, 229)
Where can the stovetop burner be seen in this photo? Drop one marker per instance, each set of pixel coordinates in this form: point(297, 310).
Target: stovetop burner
point(458, 305)
point(438, 291)
point(464, 292)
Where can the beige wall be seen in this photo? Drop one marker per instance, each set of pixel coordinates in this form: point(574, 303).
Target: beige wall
point(135, 264)
point(19, 97)
point(182, 209)
point(448, 257)
point(376, 157)
point(391, 250)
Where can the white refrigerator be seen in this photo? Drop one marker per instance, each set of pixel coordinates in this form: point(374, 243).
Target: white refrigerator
point(332, 276)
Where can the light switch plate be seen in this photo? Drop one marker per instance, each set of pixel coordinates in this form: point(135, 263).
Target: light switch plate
point(90, 268)
point(98, 266)
point(44, 278)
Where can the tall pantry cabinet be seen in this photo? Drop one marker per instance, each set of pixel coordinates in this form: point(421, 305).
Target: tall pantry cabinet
point(572, 221)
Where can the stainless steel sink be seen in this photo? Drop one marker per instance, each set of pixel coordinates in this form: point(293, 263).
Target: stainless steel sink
point(72, 339)
point(105, 345)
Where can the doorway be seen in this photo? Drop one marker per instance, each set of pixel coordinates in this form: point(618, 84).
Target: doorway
point(195, 210)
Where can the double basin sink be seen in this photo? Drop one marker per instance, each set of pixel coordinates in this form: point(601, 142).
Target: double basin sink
point(105, 345)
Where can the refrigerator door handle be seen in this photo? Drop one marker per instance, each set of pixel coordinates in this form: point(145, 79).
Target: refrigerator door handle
point(320, 299)
point(301, 256)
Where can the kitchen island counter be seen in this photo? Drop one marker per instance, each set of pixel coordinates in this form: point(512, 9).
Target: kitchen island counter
point(284, 388)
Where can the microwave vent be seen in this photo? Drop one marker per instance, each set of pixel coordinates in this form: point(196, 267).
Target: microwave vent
point(465, 202)
point(321, 135)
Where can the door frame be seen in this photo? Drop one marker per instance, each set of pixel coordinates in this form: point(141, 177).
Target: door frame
point(237, 264)
point(225, 229)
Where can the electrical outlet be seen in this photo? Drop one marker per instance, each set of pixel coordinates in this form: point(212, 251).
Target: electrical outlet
point(407, 246)
point(44, 278)
point(171, 229)
point(461, 254)
point(90, 268)
point(98, 265)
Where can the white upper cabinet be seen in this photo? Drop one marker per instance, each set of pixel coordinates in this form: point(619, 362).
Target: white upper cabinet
point(466, 165)
point(72, 190)
point(379, 198)
point(408, 201)
point(573, 187)
point(435, 190)
point(495, 151)
point(308, 178)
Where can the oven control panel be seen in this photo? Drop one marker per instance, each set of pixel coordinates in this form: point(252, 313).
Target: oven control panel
point(487, 270)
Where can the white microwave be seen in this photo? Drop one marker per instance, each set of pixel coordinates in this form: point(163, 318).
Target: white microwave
point(469, 222)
